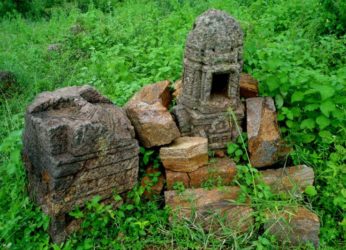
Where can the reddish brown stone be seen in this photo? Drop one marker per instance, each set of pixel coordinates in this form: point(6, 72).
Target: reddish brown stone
point(173, 177)
point(295, 226)
point(220, 153)
point(291, 180)
point(185, 154)
point(151, 186)
point(153, 123)
point(248, 86)
point(148, 113)
point(263, 132)
point(208, 206)
point(220, 171)
point(152, 93)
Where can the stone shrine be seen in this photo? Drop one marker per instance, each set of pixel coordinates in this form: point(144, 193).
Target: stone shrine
point(210, 85)
point(77, 145)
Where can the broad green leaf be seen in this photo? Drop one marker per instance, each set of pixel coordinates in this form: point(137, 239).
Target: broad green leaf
point(326, 136)
point(326, 91)
point(272, 83)
point(310, 190)
point(308, 123)
point(327, 107)
point(307, 138)
point(322, 121)
point(279, 101)
point(311, 107)
point(297, 96)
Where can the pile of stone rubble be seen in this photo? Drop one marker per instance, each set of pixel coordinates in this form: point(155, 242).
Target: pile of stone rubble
point(77, 144)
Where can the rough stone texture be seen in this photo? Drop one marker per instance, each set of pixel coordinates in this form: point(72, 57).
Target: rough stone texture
point(148, 113)
point(210, 85)
point(153, 93)
point(220, 153)
point(77, 144)
point(152, 187)
point(209, 206)
point(178, 88)
point(297, 226)
point(263, 132)
point(248, 86)
point(220, 171)
point(185, 154)
point(291, 180)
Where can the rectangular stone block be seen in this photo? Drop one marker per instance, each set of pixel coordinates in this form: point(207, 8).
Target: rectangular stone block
point(291, 180)
point(185, 154)
point(217, 172)
point(211, 208)
point(294, 226)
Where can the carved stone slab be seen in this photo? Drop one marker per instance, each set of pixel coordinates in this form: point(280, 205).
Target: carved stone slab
point(77, 144)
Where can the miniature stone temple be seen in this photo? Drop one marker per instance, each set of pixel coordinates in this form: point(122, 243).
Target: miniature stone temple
point(210, 85)
point(77, 145)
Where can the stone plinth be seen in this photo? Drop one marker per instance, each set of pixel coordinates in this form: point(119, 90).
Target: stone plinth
point(211, 208)
point(185, 154)
point(77, 144)
point(219, 172)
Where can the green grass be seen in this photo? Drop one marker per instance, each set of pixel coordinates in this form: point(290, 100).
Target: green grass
point(293, 47)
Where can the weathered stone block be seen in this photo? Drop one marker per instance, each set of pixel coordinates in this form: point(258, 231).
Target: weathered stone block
point(248, 86)
point(291, 180)
point(220, 171)
point(148, 113)
point(210, 84)
point(185, 154)
point(207, 206)
point(263, 131)
point(178, 88)
point(295, 226)
point(77, 144)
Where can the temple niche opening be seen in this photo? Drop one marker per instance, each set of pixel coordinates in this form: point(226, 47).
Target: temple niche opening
point(212, 66)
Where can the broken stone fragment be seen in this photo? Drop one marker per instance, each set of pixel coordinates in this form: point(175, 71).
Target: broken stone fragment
point(148, 113)
point(292, 180)
point(248, 86)
point(295, 226)
point(153, 182)
point(263, 132)
point(211, 208)
point(178, 88)
point(77, 144)
point(218, 172)
point(185, 154)
point(153, 93)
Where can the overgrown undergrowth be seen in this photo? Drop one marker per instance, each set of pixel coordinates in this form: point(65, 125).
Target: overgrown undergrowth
point(295, 48)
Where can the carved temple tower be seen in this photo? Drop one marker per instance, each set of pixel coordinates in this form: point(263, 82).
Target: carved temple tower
point(212, 65)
